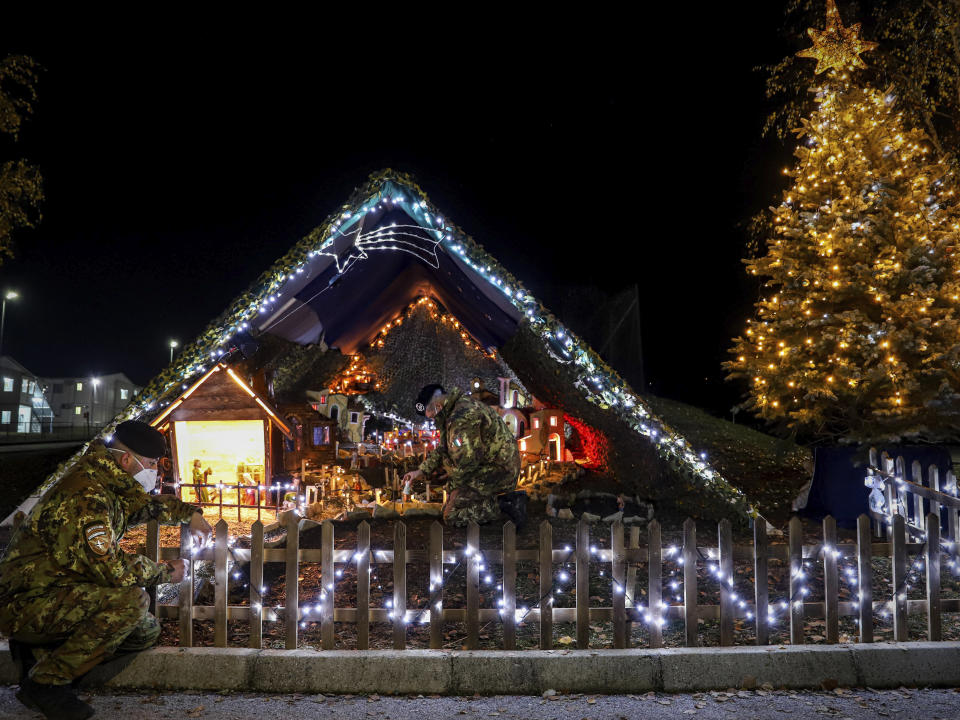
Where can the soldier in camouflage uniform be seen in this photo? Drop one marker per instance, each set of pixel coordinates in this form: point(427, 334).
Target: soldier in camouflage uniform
point(477, 451)
point(65, 583)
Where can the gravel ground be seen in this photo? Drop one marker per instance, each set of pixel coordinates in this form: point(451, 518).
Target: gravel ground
point(855, 704)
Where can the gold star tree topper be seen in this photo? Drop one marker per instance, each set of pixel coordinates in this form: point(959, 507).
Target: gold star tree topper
point(836, 46)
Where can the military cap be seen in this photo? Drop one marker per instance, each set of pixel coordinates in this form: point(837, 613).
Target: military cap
point(144, 440)
point(425, 396)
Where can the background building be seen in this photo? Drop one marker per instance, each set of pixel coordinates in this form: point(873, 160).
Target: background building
point(24, 408)
point(79, 401)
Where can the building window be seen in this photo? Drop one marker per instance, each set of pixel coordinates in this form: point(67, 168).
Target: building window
point(24, 385)
point(321, 435)
point(76, 410)
point(79, 386)
point(8, 384)
point(5, 417)
point(57, 388)
point(124, 393)
point(536, 423)
point(354, 418)
point(553, 421)
point(334, 412)
point(323, 399)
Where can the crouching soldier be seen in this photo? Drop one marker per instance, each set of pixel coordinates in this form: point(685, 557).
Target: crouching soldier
point(66, 589)
point(477, 451)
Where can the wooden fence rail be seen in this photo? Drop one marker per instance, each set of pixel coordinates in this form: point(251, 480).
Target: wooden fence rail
point(915, 566)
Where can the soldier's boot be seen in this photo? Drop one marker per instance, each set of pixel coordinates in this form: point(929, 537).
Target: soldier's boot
point(54, 701)
point(514, 505)
point(23, 657)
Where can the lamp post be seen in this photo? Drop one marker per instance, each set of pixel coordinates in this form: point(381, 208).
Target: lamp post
point(173, 344)
point(94, 382)
point(7, 295)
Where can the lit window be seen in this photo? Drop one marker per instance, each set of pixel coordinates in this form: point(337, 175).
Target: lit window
point(24, 385)
point(79, 386)
point(523, 446)
point(8, 384)
point(536, 423)
point(124, 393)
point(76, 409)
point(323, 399)
point(5, 417)
point(553, 421)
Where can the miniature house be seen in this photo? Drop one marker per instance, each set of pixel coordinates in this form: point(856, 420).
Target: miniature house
point(516, 420)
point(347, 412)
point(511, 395)
point(223, 423)
point(314, 437)
point(545, 436)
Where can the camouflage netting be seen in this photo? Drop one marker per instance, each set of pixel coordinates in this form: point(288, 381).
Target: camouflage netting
point(631, 460)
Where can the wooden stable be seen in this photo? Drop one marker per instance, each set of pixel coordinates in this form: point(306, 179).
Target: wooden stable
point(223, 423)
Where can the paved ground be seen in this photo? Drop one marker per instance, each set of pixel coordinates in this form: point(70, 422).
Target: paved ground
point(759, 705)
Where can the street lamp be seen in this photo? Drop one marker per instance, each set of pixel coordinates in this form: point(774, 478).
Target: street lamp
point(8, 295)
point(91, 416)
point(173, 344)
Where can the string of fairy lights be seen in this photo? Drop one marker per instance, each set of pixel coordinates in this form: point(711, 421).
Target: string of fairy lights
point(447, 319)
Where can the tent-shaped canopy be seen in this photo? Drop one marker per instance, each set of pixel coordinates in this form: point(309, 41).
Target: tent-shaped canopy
point(386, 246)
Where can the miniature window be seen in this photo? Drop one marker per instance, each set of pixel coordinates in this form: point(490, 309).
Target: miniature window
point(5, 417)
point(334, 412)
point(8, 384)
point(323, 399)
point(553, 421)
point(536, 423)
point(354, 418)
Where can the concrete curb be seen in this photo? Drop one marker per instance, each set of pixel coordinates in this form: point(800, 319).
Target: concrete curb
point(492, 672)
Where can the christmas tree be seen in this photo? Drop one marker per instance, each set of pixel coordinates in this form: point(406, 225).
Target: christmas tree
point(857, 328)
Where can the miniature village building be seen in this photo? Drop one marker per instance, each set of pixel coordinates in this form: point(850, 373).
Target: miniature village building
point(225, 435)
point(545, 437)
point(348, 413)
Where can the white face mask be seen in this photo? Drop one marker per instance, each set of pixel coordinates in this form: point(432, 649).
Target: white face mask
point(147, 477)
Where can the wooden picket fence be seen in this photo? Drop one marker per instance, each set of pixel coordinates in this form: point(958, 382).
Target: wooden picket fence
point(624, 556)
point(915, 498)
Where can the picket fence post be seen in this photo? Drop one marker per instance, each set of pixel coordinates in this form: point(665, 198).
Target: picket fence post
point(865, 578)
point(546, 583)
point(256, 585)
point(222, 534)
point(690, 616)
point(292, 581)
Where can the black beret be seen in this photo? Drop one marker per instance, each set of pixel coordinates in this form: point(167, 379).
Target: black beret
point(144, 440)
point(425, 396)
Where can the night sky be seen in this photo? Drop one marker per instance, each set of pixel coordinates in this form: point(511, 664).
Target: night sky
point(576, 151)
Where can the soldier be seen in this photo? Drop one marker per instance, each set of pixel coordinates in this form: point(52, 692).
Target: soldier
point(475, 448)
point(64, 583)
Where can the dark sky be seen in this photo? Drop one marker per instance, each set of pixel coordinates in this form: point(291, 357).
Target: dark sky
point(583, 151)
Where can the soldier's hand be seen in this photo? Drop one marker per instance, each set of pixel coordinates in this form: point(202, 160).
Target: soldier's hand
point(179, 569)
point(412, 475)
point(200, 530)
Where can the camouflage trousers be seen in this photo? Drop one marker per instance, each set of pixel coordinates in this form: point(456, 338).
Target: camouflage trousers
point(88, 623)
point(476, 497)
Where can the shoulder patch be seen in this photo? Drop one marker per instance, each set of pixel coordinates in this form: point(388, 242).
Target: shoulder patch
point(99, 537)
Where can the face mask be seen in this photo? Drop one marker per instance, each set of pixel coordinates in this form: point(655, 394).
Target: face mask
point(147, 477)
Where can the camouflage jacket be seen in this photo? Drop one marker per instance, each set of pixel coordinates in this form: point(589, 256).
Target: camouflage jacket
point(71, 534)
point(473, 439)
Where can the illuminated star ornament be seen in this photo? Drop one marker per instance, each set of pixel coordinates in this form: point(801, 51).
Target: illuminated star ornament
point(836, 46)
